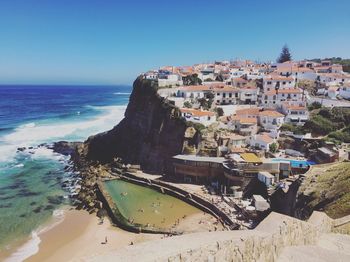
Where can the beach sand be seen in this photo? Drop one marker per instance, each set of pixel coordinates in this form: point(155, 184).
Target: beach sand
point(79, 235)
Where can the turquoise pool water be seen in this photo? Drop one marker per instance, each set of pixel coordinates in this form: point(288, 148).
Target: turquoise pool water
point(295, 162)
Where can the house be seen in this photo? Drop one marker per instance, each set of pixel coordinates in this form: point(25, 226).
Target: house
point(251, 112)
point(344, 91)
point(326, 155)
point(273, 98)
point(151, 75)
point(295, 113)
point(333, 92)
point(249, 94)
point(334, 78)
point(197, 169)
point(271, 119)
point(207, 74)
point(192, 92)
point(205, 118)
point(228, 141)
point(274, 81)
point(226, 95)
point(243, 125)
point(261, 141)
point(266, 178)
point(169, 80)
point(238, 82)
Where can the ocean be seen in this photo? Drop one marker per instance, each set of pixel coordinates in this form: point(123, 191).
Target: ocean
point(30, 180)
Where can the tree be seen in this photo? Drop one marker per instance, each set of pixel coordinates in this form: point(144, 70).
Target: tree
point(219, 111)
point(191, 80)
point(273, 148)
point(285, 55)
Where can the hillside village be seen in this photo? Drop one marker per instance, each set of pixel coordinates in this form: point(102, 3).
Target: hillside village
point(247, 122)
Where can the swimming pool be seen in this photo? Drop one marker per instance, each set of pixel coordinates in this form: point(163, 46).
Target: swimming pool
point(295, 162)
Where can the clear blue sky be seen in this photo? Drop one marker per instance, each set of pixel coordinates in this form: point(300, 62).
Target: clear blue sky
point(110, 42)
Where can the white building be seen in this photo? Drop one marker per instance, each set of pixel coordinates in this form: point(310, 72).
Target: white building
point(295, 113)
point(271, 119)
point(207, 74)
point(192, 92)
point(170, 80)
point(266, 178)
point(273, 81)
point(151, 75)
point(333, 92)
point(273, 98)
point(261, 141)
point(344, 92)
point(205, 118)
point(243, 125)
point(334, 78)
point(248, 94)
point(226, 95)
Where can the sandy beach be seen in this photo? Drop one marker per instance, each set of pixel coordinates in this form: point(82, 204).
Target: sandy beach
point(80, 235)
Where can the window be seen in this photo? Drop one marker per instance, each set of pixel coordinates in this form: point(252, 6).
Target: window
point(230, 94)
point(269, 82)
point(283, 83)
point(236, 95)
point(218, 94)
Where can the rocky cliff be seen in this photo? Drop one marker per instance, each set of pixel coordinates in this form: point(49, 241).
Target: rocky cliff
point(150, 134)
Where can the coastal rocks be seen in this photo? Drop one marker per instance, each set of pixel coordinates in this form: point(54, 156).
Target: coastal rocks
point(65, 148)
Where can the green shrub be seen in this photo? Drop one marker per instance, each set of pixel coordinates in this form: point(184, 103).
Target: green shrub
point(187, 104)
point(314, 105)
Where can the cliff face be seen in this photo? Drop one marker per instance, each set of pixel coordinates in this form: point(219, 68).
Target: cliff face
point(149, 135)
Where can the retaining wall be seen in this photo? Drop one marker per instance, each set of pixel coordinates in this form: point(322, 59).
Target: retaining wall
point(264, 243)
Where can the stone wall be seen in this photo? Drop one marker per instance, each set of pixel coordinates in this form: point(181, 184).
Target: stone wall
point(264, 243)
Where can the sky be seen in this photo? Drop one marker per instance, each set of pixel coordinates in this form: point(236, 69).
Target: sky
point(111, 42)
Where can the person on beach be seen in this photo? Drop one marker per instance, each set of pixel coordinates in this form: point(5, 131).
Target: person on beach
point(106, 241)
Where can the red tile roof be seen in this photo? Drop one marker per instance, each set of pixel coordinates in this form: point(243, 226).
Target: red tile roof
point(195, 112)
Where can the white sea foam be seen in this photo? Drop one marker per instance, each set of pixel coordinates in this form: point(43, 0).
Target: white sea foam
point(31, 247)
point(33, 134)
point(121, 93)
point(28, 249)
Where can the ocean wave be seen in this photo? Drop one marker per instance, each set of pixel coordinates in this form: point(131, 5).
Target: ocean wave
point(29, 125)
point(122, 93)
point(33, 134)
point(31, 247)
point(28, 249)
